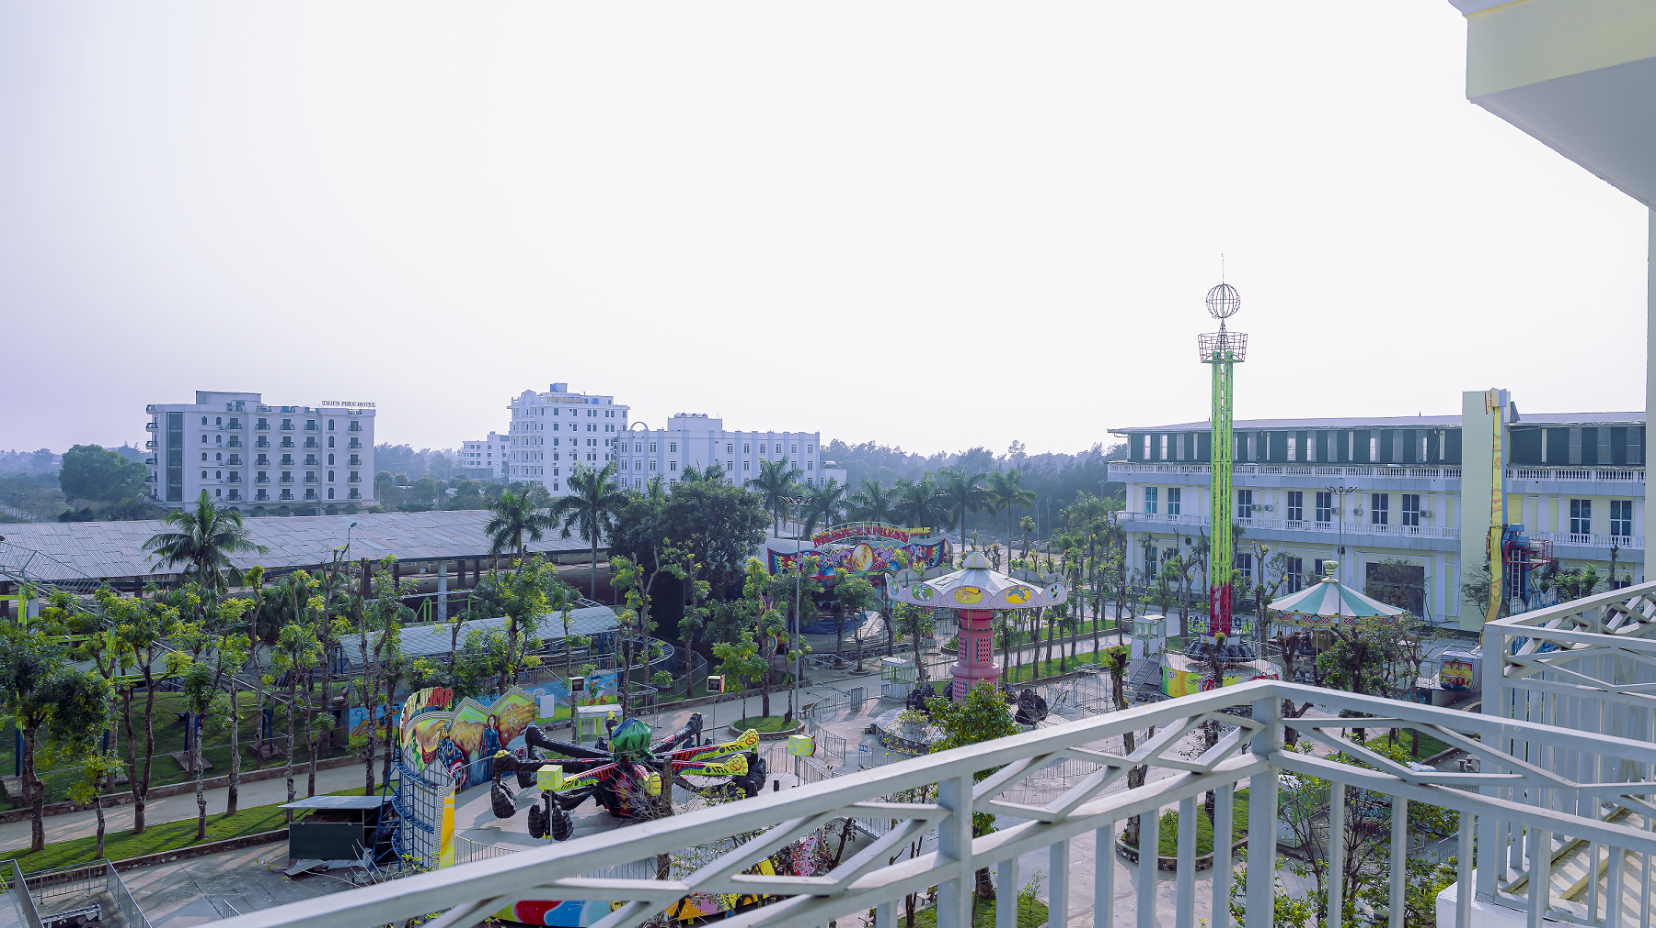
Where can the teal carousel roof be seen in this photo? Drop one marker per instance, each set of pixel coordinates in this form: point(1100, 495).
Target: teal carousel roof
point(1327, 603)
point(976, 586)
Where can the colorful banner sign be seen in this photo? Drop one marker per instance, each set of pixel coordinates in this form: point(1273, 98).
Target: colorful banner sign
point(865, 558)
point(1455, 674)
point(867, 530)
point(1190, 682)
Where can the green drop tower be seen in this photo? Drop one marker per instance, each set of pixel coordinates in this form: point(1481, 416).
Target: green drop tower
point(1224, 350)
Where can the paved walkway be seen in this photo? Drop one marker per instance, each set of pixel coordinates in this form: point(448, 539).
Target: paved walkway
point(178, 808)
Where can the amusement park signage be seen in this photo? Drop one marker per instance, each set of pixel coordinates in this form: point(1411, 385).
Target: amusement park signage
point(867, 530)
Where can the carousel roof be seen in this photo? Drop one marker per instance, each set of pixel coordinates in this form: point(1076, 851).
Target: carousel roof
point(976, 586)
point(1328, 600)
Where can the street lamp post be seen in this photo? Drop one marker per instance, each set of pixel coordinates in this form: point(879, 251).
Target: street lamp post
point(798, 632)
point(1340, 494)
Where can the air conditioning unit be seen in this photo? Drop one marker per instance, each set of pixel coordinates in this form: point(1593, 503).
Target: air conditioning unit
point(1264, 507)
point(1425, 513)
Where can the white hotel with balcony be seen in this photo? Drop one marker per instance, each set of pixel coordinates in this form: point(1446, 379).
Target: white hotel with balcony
point(551, 432)
point(700, 441)
point(260, 459)
point(1362, 491)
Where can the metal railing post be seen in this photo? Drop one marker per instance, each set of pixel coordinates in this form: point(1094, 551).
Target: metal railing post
point(1224, 810)
point(1262, 817)
point(954, 842)
point(1399, 861)
point(1148, 850)
point(1006, 891)
point(1104, 877)
point(1058, 895)
point(1336, 854)
point(1184, 913)
point(1463, 873)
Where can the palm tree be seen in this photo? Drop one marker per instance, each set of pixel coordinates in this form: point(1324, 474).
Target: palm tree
point(777, 481)
point(515, 516)
point(594, 499)
point(1005, 492)
point(874, 502)
point(920, 502)
point(204, 541)
point(963, 494)
point(823, 503)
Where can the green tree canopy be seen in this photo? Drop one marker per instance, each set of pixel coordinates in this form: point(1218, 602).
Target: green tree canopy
point(95, 473)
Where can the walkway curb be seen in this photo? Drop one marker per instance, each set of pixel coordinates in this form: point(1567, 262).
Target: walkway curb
point(200, 850)
point(179, 789)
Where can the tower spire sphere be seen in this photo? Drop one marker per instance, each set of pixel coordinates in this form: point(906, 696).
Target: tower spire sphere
point(1223, 302)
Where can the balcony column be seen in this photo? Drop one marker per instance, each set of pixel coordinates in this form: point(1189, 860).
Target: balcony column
point(1648, 525)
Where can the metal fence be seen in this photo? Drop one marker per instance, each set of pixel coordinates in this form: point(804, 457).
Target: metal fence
point(117, 889)
point(20, 890)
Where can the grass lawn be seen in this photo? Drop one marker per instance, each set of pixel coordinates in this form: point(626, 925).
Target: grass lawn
point(1428, 744)
point(1031, 913)
point(1168, 827)
point(764, 724)
point(167, 836)
point(169, 737)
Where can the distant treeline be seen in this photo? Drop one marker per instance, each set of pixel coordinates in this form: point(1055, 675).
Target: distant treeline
point(1055, 478)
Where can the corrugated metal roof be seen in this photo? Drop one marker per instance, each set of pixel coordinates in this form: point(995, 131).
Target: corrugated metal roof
point(106, 550)
point(1394, 422)
point(434, 637)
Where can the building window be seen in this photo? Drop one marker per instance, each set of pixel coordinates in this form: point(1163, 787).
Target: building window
point(1146, 454)
point(330, 428)
point(1164, 447)
point(1150, 500)
point(1379, 508)
point(672, 446)
point(1244, 568)
point(1296, 500)
point(330, 476)
point(1293, 570)
point(1411, 510)
point(761, 449)
point(1244, 504)
point(747, 465)
point(330, 492)
point(1621, 520)
point(1293, 448)
point(1581, 517)
point(1173, 494)
point(1325, 507)
point(795, 449)
point(747, 448)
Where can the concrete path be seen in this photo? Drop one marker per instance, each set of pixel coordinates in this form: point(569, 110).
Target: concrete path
point(178, 808)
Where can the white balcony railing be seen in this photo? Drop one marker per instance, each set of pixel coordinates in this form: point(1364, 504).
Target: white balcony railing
point(1380, 471)
point(1625, 542)
point(1353, 528)
point(1315, 471)
point(1538, 784)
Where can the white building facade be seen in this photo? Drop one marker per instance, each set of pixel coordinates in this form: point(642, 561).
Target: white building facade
point(551, 432)
point(261, 459)
point(1367, 492)
point(697, 440)
point(488, 454)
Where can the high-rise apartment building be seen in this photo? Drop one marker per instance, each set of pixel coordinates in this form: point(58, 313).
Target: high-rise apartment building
point(261, 459)
point(551, 432)
point(696, 440)
point(488, 454)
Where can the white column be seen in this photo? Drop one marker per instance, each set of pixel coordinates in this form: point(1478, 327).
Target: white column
point(1648, 526)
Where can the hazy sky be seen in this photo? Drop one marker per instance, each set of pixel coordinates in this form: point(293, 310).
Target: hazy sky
point(930, 224)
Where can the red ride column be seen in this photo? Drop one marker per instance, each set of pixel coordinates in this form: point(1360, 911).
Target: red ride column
point(977, 651)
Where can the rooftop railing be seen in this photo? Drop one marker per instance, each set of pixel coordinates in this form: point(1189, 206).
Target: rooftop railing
point(1541, 786)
